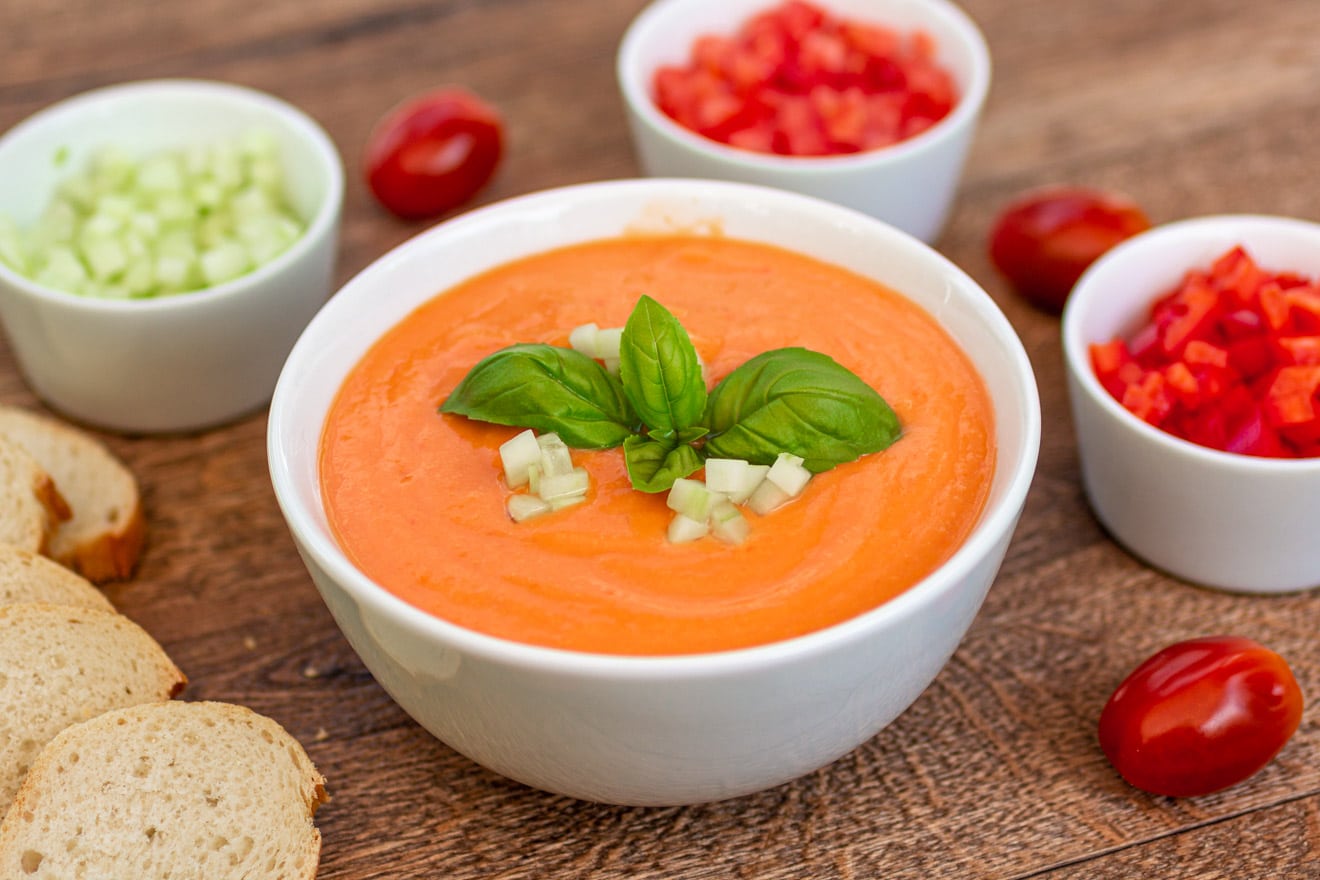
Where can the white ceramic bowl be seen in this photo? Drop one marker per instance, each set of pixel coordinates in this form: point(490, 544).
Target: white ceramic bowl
point(651, 730)
point(910, 185)
point(1214, 518)
point(174, 363)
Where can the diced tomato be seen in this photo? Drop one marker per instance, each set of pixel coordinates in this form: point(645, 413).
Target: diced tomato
point(1237, 273)
point(1229, 359)
point(1304, 350)
point(1251, 356)
point(1291, 397)
point(1303, 308)
point(1188, 316)
point(869, 85)
point(1183, 385)
point(1273, 306)
point(1201, 352)
point(1149, 399)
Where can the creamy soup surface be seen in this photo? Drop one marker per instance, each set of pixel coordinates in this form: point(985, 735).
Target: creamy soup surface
point(417, 501)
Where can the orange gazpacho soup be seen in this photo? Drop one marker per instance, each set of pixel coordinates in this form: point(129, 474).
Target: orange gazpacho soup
point(417, 501)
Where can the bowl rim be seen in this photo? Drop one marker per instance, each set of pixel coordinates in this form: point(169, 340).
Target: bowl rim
point(321, 224)
point(637, 97)
point(997, 521)
point(1146, 246)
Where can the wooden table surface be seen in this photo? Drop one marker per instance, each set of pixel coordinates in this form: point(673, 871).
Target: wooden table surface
point(1195, 107)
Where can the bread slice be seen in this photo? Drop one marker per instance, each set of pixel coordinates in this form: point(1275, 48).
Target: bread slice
point(28, 577)
point(60, 665)
point(104, 537)
point(31, 507)
point(189, 791)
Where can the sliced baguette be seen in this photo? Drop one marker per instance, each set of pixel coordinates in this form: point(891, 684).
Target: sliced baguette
point(60, 665)
point(189, 791)
point(28, 577)
point(104, 537)
point(31, 507)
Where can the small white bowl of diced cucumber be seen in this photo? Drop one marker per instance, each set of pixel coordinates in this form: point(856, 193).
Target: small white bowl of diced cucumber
point(162, 245)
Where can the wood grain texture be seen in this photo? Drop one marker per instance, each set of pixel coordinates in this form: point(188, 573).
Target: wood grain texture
point(1204, 106)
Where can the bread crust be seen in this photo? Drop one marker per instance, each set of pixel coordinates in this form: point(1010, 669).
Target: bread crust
point(26, 576)
point(99, 522)
point(65, 817)
point(63, 664)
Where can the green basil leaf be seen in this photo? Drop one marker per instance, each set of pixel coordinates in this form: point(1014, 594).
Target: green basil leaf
point(798, 401)
point(660, 370)
point(653, 465)
point(687, 435)
point(546, 388)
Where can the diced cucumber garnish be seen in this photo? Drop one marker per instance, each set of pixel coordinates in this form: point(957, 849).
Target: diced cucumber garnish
point(161, 224)
point(545, 465)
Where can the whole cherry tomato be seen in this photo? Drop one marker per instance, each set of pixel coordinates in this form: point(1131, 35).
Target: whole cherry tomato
point(1045, 239)
point(433, 153)
point(1200, 716)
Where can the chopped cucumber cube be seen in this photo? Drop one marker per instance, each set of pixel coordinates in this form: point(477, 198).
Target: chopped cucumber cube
point(734, 477)
point(104, 257)
point(225, 260)
point(583, 339)
point(557, 486)
point(567, 501)
point(517, 455)
point(728, 524)
point(12, 252)
point(691, 498)
point(767, 497)
point(524, 507)
point(608, 342)
point(684, 529)
point(788, 474)
point(556, 460)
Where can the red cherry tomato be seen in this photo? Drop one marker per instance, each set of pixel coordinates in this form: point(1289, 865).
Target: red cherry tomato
point(1045, 239)
point(1200, 716)
point(433, 153)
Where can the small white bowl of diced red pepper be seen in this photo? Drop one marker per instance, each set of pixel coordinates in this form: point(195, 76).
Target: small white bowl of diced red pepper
point(1193, 365)
point(868, 103)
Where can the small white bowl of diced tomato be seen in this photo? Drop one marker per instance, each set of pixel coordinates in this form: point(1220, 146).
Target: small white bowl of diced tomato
point(1193, 363)
point(868, 103)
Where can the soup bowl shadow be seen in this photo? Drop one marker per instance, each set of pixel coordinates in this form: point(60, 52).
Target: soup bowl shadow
point(652, 730)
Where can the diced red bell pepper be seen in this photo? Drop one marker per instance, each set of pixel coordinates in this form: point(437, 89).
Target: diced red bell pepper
point(1302, 350)
point(1237, 274)
point(1291, 397)
point(1274, 306)
point(1149, 399)
point(1199, 351)
point(1229, 359)
point(1190, 314)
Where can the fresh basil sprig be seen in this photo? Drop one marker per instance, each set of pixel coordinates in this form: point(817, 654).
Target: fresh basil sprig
point(789, 400)
point(800, 401)
point(653, 465)
point(546, 388)
point(660, 370)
